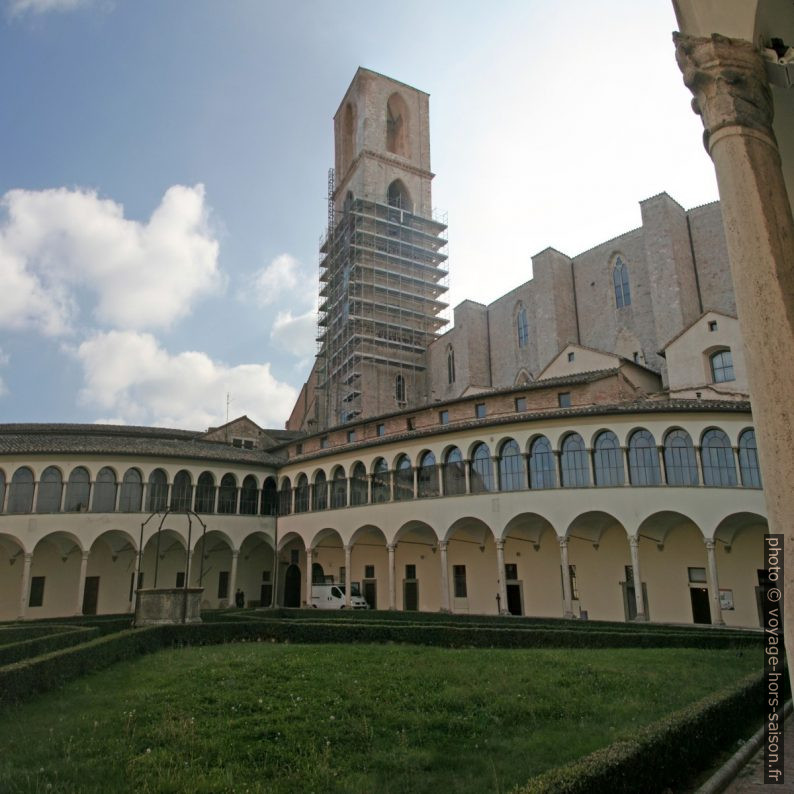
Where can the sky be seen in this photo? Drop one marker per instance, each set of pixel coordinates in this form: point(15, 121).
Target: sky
point(163, 177)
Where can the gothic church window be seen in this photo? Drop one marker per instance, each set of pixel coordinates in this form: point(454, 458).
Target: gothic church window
point(398, 196)
point(396, 125)
point(399, 388)
point(620, 278)
point(522, 326)
point(450, 365)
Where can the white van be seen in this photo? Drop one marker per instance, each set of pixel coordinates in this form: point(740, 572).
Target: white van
point(332, 596)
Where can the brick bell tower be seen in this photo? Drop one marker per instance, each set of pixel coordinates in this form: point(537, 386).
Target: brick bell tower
point(382, 260)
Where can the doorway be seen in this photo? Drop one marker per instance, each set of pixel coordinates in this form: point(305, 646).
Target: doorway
point(90, 595)
point(411, 595)
point(371, 592)
point(514, 606)
point(292, 586)
point(701, 612)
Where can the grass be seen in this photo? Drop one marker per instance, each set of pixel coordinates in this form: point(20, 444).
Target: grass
point(273, 718)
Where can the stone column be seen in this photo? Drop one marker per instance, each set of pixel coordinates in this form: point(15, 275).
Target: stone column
point(500, 569)
point(734, 99)
point(370, 479)
point(415, 470)
point(24, 589)
point(348, 491)
point(135, 572)
point(634, 545)
point(392, 475)
point(467, 474)
point(309, 553)
point(626, 465)
point(392, 577)
point(81, 583)
point(440, 476)
point(567, 598)
point(662, 466)
point(699, 464)
point(714, 585)
point(558, 466)
point(348, 562)
point(215, 498)
point(237, 496)
point(118, 497)
point(497, 485)
point(442, 552)
point(4, 500)
point(233, 579)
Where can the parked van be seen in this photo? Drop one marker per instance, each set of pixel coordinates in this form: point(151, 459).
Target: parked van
point(332, 596)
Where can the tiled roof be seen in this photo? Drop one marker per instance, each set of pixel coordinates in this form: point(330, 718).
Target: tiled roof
point(40, 439)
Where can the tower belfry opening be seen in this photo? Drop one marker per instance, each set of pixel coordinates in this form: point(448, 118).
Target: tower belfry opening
point(382, 272)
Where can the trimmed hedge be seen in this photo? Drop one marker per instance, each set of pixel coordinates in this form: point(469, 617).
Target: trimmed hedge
point(26, 649)
point(18, 632)
point(667, 753)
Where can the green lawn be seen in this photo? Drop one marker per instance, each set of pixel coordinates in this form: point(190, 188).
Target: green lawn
point(344, 718)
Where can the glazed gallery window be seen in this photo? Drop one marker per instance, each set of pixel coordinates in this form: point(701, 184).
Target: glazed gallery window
point(608, 460)
point(454, 473)
point(748, 460)
point(542, 466)
point(721, 364)
point(620, 279)
point(643, 459)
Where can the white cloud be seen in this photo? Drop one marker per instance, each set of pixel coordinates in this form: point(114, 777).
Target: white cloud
point(17, 7)
point(142, 275)
point(283, 277)
point(296, 334)
point(129, 376)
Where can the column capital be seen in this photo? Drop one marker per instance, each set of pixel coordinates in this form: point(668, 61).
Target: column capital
point(348, 548)
point(390, 547)
point(86, 554)
point(729, 84)
point(500, 544)
point(563, 543)
point(28, 556)
point(235, 553)
point(443, 544)
point(634, 541)
point(710, 544)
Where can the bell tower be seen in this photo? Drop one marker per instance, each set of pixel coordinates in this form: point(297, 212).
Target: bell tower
point(381, 261)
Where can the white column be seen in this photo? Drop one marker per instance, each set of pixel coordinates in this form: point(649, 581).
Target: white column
point(25, 586)
point(467, 474)
point(215, 499)
point(392, 578)
point(440, 475)
point(348, 560)
point(135, 572)
point(442, 549)
point(81, 583)
point(714, 585)
point(309, 553)
point(500, 566)
point(567, 599)
point(237, 496)
point(416, 481)
point(634, 545)
point(118, 497)
point(233, 579)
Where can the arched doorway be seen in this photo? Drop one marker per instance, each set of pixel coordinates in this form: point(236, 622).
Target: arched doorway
point(292, 586)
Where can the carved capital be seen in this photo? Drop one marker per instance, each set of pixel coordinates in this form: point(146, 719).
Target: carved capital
point(729, 84)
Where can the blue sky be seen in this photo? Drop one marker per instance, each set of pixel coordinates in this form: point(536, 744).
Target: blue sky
point(163, 176)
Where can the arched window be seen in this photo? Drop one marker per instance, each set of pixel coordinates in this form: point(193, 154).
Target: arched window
point(481, 469)
point(450, 365)
point(20, 497)
point(248, 496)
point(403, 479)
point(227, 495)
point(205, 493)
point(522, 326)
point(396, 125)
point(48, 499)
point(643, 459)
point(620, 278)
point(511, 467)
point(131, 492)
point(719, 467)
point(302, 494)
point(77, 491)
point(157, 491)
point(427, 476)
point(2, 489)
point(454, 473)
point(104, 500)
point(269, 506)
point(748, 460)
point(398, 197)
point(721, 364)
point(680, 464)
point(182, 492)
point(399, 389)
point(381, 490)
point(285, 497)
point(320, 494)
point(339, 488)
point(359, 485)
point(542, 466)
point(348, 136)
point(607, 457)
point(575, 469)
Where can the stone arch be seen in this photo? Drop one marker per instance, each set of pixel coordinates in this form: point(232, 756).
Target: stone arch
point(397, 196)
point(55, 566)
point(255, 569)
point(348, 152)
point(112, 560)
point(12, 553)
point(397, 125)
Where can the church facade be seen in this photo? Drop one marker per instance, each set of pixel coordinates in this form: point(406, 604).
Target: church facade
point(581, 447)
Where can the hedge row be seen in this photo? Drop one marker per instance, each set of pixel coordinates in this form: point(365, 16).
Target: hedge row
point(665, 754)
point(65, 638)
point(17, 632)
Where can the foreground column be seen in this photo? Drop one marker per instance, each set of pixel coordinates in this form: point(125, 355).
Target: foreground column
point(634, 545)
point(81, 583)
point(233, 581)
point(500, 566)
point(714, 585)
point(392, 583)
point(442, 553)
point(567, 600)
point(348, 556)
point(135, 576)
point(25, 586)
point(308, 601)
point(733, 98)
